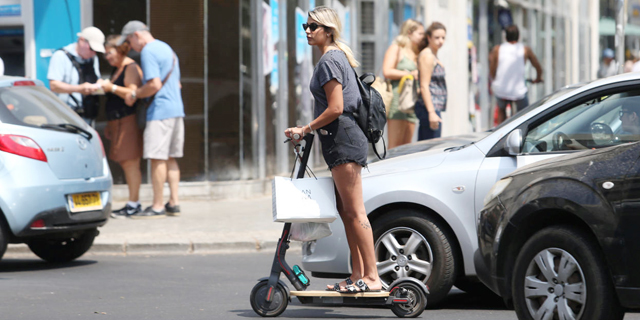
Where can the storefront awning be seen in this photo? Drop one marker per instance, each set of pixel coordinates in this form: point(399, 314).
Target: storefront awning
point(607, 27)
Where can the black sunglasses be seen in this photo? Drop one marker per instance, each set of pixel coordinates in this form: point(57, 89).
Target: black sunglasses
point(313, 26)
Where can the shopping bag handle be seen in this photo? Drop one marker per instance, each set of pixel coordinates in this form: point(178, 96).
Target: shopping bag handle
point(304, 158)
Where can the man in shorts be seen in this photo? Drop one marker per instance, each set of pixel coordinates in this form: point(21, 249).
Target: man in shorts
point(164, 133)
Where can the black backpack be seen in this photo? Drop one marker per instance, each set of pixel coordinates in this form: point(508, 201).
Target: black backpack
point(90, 104)
point(371, 116)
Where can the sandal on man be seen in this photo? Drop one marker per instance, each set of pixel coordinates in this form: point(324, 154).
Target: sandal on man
point(336, 286)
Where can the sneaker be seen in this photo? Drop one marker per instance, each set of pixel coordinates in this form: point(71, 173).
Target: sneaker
point(148, 213)
point(172, 211)
point(126, 211)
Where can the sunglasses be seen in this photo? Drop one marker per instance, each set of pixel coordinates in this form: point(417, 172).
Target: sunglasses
point(312, 26)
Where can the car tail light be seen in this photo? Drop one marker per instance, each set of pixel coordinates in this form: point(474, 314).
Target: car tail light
point(38, 224)
point(23, 83)
point(21, 146)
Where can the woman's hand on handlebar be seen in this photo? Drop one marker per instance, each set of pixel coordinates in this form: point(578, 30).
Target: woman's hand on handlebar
point(294, 133)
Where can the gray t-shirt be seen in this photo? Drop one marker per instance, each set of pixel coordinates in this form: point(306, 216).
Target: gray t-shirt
point(334, 65)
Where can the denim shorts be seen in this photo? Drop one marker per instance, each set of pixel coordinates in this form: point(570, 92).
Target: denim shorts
point(343, 141)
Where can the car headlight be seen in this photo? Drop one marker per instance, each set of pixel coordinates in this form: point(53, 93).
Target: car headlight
point(497, 188)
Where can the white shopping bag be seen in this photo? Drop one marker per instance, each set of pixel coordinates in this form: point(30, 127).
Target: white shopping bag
point(304, 200)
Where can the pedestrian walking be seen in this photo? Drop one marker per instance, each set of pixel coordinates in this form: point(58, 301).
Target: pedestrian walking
point(608, 66)
point(74, 72)
point(506, 65)
point(400, 60)
point(433, 86)
point(122, 128)
point(163, 138)
point(344, 145)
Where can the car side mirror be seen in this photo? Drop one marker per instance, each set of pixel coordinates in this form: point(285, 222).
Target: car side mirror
point(601, 133)
point(513, 144)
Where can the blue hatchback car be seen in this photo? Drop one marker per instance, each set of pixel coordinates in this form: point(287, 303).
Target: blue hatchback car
point(55, 184)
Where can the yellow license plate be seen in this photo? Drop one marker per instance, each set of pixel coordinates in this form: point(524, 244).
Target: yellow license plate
point(85, 202)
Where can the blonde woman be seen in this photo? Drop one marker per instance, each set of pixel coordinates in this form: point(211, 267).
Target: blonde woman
point(344, 145)
point(401, 60)
point(122, 129)
point(433, 87)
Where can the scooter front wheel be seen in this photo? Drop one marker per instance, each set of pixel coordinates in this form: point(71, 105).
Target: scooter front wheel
point(279, 299)
point(416, 300)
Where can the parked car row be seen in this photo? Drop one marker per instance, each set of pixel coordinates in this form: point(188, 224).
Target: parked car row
point(55, 188)
point(424, 204)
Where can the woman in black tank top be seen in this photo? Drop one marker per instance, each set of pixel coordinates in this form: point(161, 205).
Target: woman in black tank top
point(122, 130)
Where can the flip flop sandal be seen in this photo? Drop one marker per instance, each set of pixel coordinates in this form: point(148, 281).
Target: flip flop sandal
point(350, 289)
point(336, 286)
point(364, 287)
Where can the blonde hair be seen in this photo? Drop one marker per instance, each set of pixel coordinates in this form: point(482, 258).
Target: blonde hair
point(409, 26)
point(329, 18)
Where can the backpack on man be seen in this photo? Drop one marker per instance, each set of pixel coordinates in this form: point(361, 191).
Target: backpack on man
point(90, 104)
point(371, 116)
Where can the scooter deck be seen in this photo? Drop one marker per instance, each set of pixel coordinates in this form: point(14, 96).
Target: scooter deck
point(325, 293)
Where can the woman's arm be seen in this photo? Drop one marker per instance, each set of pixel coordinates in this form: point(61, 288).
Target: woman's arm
point(333, 90)
point(426, 63)
point(132, 77)
point(390, 63)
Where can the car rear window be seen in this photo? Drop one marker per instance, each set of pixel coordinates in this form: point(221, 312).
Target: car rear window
point(34, 106)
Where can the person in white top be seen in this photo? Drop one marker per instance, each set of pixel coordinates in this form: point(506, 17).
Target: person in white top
point(506, 66)
point(1, 67)
point(608, 67)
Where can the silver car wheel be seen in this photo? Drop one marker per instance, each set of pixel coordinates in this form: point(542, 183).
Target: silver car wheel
point(555, 286)
point(403, 252)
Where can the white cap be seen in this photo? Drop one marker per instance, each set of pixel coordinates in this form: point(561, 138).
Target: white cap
point(95, 37)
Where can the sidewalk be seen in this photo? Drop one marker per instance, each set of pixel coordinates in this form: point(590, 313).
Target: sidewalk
point(205, 226)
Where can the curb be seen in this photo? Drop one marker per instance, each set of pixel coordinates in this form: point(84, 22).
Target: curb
point(162, 248)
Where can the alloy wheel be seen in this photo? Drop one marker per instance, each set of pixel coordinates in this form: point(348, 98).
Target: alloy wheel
point(403, 252)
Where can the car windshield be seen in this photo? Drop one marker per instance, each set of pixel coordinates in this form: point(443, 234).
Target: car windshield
point(538, 103)
point(34, 106)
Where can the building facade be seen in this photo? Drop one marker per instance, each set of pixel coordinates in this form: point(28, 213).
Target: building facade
point(246, 65)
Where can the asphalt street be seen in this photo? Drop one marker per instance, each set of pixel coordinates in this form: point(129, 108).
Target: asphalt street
point(179, 286)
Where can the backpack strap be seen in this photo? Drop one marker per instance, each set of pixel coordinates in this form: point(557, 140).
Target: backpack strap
point(78, 68)
point(376, 150)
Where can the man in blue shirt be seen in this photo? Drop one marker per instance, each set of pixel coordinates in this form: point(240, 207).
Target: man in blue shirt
point(65, 75)
point(164, 132)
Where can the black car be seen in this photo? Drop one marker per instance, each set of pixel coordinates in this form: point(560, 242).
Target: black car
point(560, 239)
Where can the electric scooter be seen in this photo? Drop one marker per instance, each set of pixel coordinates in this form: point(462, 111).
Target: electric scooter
point(407, 297)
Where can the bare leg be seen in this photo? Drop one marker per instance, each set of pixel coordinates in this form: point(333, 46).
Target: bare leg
point(174, 180)
point(395, 132)
point(348, 181)
point(158, 177)
point(410, 127)
point(133, 176)
point(356, 259)
point(501, 115)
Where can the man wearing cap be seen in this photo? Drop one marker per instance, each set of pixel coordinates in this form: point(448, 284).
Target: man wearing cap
point(164, 132)
point(74, 71)
point(608, 67)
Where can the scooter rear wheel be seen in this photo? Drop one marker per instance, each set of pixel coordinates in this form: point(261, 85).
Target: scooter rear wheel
point(415, 305)
point(279, 299)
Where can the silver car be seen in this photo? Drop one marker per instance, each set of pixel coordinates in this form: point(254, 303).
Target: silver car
point(423, 202)
point(55, 184)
